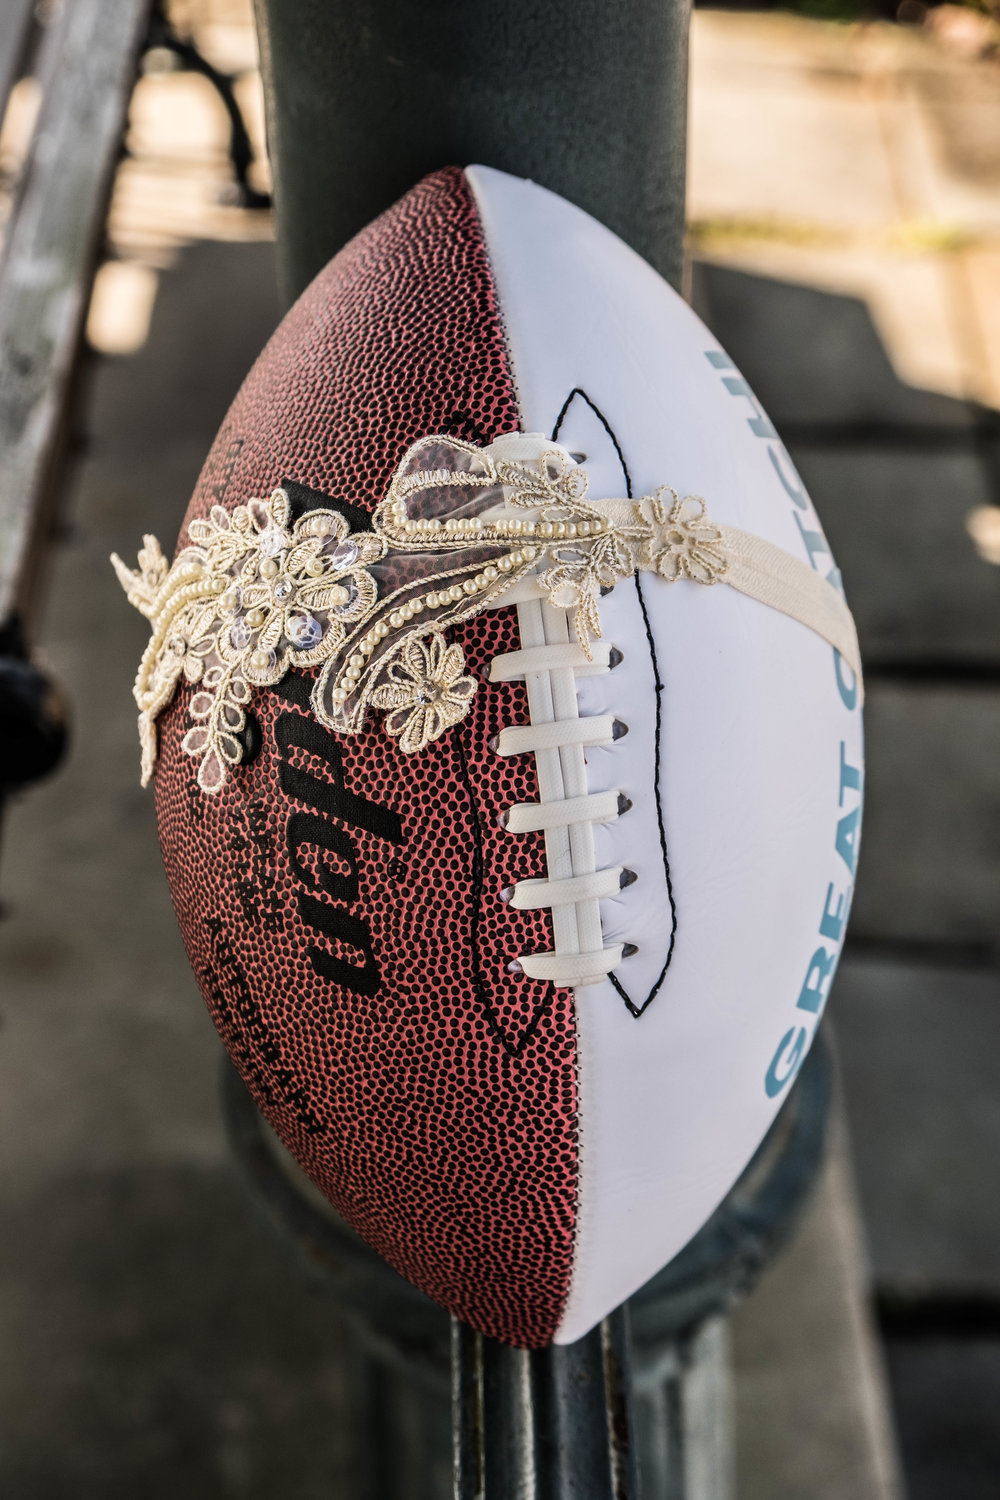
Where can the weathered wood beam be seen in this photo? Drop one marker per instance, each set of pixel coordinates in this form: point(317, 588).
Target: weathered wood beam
point(15, 24)
point(86, 65)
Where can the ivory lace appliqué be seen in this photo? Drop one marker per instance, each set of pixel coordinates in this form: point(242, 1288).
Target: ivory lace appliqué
point(257, 592)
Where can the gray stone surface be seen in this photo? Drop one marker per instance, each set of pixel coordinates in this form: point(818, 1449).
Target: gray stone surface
point(158, 1339)
point(894, 471)
point(918, 1050)
point(948, 1396)
point(159, 1343)
point(895, 517)
point(811, 1415)
point(108, 1055)
point(929, 869)
point(814, 357)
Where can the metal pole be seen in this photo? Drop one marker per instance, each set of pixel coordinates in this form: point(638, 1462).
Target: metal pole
point(552, 1424)
point(535, 1406)
point(589, 98)
point(364, 97)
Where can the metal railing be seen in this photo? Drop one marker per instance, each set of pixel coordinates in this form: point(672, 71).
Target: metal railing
point(645, 1394)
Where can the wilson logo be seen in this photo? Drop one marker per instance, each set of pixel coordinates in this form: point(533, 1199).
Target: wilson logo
point(329, 883)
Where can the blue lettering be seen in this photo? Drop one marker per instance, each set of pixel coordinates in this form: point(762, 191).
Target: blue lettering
point(815, 541)
point(812, 995)
point(759, 425)
point(848, 690)
point(823, 963)
point(832, 923)
point(791, 1053)
point(847, 838)
point(793, 486)
point(850, 776)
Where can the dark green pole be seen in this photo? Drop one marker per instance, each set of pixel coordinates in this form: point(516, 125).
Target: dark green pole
point(589, 98)
point(364, 97)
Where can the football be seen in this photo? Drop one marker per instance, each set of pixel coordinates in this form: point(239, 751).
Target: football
point(504, 714)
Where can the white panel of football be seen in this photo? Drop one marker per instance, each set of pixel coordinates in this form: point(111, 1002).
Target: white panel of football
point(759, 755)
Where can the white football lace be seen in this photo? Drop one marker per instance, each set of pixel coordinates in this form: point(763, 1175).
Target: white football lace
point(556, 735)
point(461, 529)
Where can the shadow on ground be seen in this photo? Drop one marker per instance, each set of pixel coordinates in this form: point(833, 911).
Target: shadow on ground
point(894, 473)
point(158, 1340)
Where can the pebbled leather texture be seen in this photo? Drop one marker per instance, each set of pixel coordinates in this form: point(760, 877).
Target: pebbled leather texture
point(431, 1095)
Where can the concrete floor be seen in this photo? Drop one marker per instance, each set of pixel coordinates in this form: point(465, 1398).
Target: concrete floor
point(159, 1339)
point(850, 261)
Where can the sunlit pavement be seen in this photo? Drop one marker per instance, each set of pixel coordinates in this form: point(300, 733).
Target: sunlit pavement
point(845, 229)
point(845, 223)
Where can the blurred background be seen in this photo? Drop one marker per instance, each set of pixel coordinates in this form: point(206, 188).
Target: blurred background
point(156, 1338)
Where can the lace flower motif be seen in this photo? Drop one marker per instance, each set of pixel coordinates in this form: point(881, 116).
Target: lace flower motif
point(685, 544)
point(425, 691)
point(579, 575)
point(294, 590)
point(256, 592)
point(252, 596)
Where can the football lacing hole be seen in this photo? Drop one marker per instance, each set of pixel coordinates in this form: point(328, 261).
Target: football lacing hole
point(558, 738)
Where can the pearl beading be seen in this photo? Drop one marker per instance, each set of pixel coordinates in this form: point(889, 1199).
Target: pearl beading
point(256, 592)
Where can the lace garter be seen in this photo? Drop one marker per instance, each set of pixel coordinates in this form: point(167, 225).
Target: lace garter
point(462, 529)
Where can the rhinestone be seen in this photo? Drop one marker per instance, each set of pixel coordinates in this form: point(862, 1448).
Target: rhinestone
point(343, 555)
point(304, 632)
point(272, 541)
point(282, 589)
point(239, 635)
